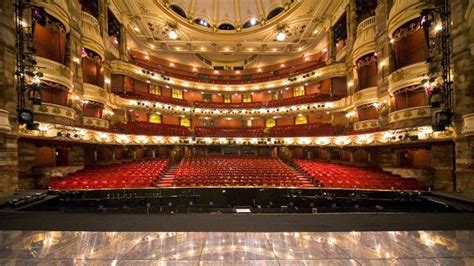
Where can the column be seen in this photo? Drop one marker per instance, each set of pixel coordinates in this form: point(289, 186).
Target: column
point(103, 16)
point(331, 46)
point(123, 43)
point(351, 23)
point(153, 153)
point(8, 114)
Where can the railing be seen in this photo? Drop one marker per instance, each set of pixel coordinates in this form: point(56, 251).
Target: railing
point(91, 35)
point(366, 23)
point(410, 113)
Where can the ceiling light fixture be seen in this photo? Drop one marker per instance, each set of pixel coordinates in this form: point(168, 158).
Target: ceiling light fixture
point(172, 35)
point(253, 21)
point(281, 36)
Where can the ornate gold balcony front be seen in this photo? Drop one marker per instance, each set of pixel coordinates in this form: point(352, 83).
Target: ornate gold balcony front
point(55, 110)
point(365, 41)
point(55, 72)
point(367, 124)
point(410, 114)
point(403, 11)
point(95, 122)
point(95, 93)
point(408, 76)
point(91, 36)
point(365, 96)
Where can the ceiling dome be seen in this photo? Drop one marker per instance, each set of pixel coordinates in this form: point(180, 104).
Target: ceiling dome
point(228, 15)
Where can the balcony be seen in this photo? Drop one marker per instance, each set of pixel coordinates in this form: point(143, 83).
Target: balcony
point(58, 9)
point(55, 72)
point(91, 35)
point(95, 122)
point(407, 76)
point(403, 11)
point(365, 40)
point(95, 93)
point(367, 124)
point(55, 110)
point(319, 73)
point(410, 114)
point(365, 96)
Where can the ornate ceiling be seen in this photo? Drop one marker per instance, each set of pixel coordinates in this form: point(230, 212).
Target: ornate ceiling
point(304, 23)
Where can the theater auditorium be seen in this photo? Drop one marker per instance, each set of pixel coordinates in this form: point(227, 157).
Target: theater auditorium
point(247, 132)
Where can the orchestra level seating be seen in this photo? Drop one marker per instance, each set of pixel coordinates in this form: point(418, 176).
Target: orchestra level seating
point(342, 176)
point(254, 132)
point(140, 174)
point(237, 171)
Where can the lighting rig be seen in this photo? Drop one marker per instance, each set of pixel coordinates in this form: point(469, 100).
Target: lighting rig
point(436, 22)
point(27, 76)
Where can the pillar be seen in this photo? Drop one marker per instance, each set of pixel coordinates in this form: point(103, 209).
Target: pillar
point(331, 46)
point(103, 17)
point(123, 43)
point(8, 114)
point(351, 23)
point(462, 37)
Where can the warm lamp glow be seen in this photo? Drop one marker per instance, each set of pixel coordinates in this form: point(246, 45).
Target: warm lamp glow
point(281, 36)
point(172, 35)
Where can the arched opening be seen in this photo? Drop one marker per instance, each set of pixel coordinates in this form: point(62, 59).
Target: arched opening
point(93, 109)
point(367, 112)
point(301, 120)
point(178, 10)
point(270, 123)
point(226, 26)
point(409, 44)
point(155, 118)
point(410, 97)
point(250, 23)
point(367, 71)
point(275, 12)
point(202, 22)
point(54, 93)
point(185, 122)
point(92, 71)
point(49, 36)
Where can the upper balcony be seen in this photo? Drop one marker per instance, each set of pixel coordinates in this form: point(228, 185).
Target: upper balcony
point(402, 12)
point(246, 76)
point(58, 9)
point(315, 74)
point(91, 35)
point(365, 40)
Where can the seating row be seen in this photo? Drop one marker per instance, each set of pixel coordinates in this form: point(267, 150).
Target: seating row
point(251, 132)
point(343, 176)
point(240, 171)
point(145, 128)
point(307, 130)
point(305, 99)
point(139, 174)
